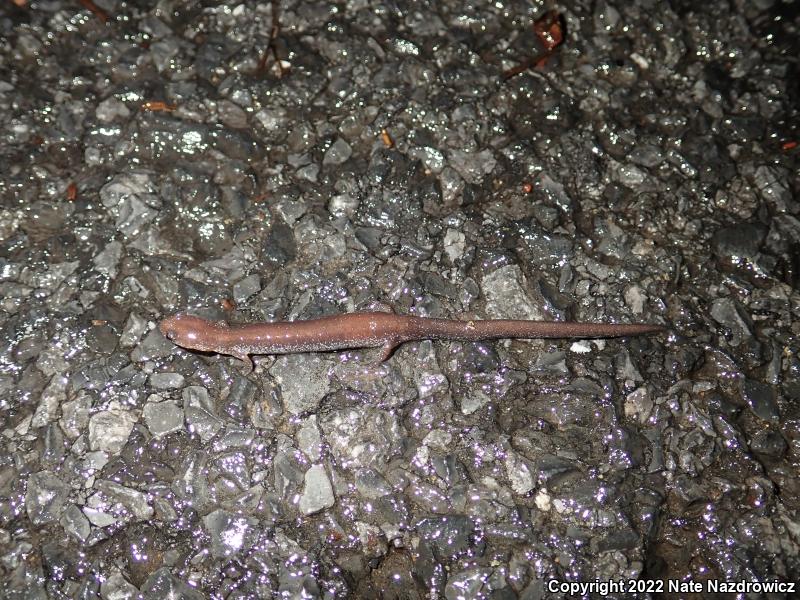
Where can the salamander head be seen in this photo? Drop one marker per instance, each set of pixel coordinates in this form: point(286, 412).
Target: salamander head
point(192, 333)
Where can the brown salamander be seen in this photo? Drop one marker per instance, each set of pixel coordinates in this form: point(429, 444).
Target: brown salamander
point(367, 330)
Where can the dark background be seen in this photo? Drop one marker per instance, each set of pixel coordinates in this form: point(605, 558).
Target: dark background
point(284, 160)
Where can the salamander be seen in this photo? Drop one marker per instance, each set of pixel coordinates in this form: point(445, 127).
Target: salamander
point(368, 330)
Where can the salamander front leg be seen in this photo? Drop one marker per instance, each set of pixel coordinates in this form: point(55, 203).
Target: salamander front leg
point(388, 349)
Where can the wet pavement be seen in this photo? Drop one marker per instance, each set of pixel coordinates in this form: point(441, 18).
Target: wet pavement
point(624, 162)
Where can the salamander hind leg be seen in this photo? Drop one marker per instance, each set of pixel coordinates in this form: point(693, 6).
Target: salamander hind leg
point(247, 359)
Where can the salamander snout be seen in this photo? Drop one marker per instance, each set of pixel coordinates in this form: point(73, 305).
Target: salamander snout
point(187, 331)
point(167, 329)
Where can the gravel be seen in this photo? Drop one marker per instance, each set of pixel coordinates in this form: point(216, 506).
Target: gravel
point(186, 156)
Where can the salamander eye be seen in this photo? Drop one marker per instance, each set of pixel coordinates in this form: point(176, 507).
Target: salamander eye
point(170, 335)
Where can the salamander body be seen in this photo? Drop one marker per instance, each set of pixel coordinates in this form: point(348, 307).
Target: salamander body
point(368, 330)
